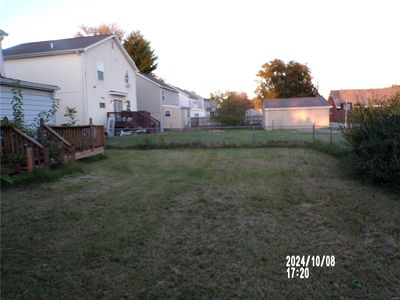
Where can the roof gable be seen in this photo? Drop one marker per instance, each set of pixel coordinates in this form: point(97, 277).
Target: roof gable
point(306, 102)
point(53, 47)
point(158, 82)
point(64, 46)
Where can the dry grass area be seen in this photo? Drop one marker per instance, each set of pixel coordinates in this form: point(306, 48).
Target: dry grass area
point(193, 224)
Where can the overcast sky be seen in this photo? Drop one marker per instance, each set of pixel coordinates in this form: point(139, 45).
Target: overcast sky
point(210, 45)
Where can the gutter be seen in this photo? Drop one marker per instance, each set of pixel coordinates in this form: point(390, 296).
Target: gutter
point(295, 108)
point(47, 53)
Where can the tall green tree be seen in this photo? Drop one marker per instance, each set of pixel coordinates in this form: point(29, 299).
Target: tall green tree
point(140, 51)
point(111, 28)
point(280, 80)
point(231, 107)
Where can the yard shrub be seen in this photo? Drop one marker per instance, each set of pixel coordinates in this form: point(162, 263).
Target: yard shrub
point(373, 140)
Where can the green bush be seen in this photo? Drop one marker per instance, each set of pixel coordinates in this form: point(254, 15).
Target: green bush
point(373, 139)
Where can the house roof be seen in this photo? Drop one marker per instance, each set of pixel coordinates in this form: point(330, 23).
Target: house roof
point(53, 47)
point(27, 84)
point(363, 96)
point(304, 102)
point(158, 82)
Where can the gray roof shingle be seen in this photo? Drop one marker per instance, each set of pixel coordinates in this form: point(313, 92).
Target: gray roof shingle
point(52, 46)
point(295, 102)
point(159, 82)
point(6, 81)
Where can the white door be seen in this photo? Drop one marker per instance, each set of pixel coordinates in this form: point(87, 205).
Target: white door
point(118, 105)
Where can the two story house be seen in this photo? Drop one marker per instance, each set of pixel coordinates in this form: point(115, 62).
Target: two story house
point(163, 101)
point(197, 108)
point(95, 74)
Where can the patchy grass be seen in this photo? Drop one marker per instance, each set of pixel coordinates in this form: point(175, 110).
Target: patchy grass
point(187, 224)
point(220, 138)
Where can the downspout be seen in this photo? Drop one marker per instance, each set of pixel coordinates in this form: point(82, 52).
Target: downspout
point(161, 113)
point(85, 107)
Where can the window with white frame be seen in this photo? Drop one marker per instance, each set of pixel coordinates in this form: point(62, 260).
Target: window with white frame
point(100, 70)
point(168, 113)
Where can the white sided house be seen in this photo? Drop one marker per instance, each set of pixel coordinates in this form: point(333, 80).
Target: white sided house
point(197, 107)
point(294, 113)
point(95, 74)
point(161, 100)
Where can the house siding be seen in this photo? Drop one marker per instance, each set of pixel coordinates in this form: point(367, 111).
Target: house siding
point(149, 97)
point(34, 102)
point(61, 70)
point(296, 118)
point(175, 120)
point(115, 68)
point(170, 98)
point(76, 75)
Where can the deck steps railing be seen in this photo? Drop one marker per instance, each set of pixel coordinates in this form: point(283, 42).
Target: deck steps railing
point(134, 119)
point(54, 145)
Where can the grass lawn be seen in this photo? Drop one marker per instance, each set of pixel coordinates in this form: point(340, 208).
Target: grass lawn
point(214, 223)
point(228, 136)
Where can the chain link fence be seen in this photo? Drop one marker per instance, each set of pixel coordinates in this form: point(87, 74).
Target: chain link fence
point(230, 135)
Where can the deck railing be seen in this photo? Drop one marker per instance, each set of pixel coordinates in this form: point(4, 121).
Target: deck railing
point(54, 144)
point(86, 140)
point(20, 151)
point(134, 119)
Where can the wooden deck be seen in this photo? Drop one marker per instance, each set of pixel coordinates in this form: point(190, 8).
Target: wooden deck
point(54, 145)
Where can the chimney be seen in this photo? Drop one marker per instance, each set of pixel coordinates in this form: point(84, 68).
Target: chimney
point(2, 35)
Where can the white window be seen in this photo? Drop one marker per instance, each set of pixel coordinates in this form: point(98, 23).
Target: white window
point(127, 77)
point(100, 70)
point(167, 113)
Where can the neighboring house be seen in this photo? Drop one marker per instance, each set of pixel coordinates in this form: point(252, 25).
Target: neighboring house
point(161, 100)
point(253, 117)
point(184, 103)
point(343, 101)
point(95, 74)
point(210, 107)
point(36, 98)
point(197, 108)
point(295, 112)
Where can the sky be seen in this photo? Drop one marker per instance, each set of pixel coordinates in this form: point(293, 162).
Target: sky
point(218, 45)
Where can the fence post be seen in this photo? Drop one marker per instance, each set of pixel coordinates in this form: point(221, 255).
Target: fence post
point(330, 135)
point(29, 159)
point(61, 156)
point(313, 133)
point(46, 157)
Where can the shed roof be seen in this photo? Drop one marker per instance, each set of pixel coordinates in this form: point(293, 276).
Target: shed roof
point(52, 47)
point(27, 84)
point(304, 102)
point(363, 96)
